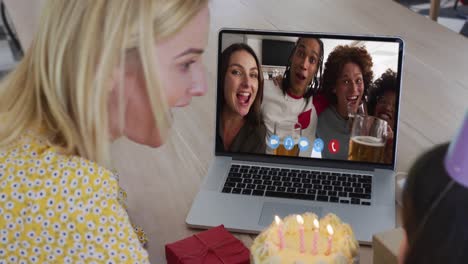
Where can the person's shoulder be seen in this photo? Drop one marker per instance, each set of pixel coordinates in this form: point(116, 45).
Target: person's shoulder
point(79, 169)
point(320, 102)
point(258, 130)
point(252, 127)
point(327, 113)
point(324, 121)
point(261, 128)
point(34, 157)
point(70, 194)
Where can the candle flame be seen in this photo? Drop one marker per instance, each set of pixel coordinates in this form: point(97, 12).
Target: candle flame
point(299, 219)
point(277, 220)
point(330, 230)
point(316, 224)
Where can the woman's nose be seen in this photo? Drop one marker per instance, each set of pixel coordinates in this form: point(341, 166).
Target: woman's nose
point(389, 106)
point(246, 82)
point(199, 86)
point(354, 87)
point(305, 64)
point(199, 89)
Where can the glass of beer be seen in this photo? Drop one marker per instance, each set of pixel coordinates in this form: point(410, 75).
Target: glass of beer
point(368, 137)
point(352, 112)
point(289, 133)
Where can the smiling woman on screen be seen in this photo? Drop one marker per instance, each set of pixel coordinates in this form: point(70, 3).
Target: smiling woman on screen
point(346, 78)
point(241, 126)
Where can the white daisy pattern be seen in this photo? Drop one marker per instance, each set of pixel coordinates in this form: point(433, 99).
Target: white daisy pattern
point(61, 209)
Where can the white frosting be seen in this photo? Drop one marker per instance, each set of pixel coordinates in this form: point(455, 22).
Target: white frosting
point(265, 248)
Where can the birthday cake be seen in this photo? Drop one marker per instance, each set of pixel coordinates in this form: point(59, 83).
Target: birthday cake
point(304, 239)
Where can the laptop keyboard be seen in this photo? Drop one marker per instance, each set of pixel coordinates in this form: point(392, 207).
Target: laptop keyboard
point(310, 185)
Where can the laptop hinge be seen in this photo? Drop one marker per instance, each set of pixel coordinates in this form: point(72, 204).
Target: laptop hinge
point(309, 162)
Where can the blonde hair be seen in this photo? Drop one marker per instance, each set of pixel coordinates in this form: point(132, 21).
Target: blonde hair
point(63, 81)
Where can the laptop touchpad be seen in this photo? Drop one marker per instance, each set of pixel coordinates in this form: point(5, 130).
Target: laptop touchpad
point(270, 209)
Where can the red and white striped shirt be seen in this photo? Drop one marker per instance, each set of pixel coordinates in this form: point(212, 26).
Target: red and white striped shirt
point(278, 107)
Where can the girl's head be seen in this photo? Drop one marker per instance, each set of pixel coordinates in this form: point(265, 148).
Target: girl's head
point(382, 97)
point(98, 70)
point(434, 213)
point(242, 81)
point(347, 76)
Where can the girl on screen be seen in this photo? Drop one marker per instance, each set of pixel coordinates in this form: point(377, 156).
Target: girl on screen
point(382, 104)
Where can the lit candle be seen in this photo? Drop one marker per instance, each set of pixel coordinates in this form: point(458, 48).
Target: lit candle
point(330, 236)
point(316, 232)
point(300, 221)
point(279, 224)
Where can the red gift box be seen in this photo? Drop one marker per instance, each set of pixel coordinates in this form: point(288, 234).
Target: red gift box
point(213, 246)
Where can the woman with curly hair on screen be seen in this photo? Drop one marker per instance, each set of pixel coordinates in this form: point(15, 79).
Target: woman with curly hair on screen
point(346, 79)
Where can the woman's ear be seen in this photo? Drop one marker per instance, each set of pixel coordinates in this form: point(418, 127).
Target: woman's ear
point(403, 248)
point(121, 82)
point(128, 73)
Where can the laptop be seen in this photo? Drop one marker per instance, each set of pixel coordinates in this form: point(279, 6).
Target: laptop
point(244, 190)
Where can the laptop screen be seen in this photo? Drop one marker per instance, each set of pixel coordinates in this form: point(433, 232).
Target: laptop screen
point(311, 96)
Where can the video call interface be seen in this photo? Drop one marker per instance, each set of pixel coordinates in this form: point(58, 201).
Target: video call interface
point(303, 96)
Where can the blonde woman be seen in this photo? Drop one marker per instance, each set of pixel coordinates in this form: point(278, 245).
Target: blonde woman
point(95, 71)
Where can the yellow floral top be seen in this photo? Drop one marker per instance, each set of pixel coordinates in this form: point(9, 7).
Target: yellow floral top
point(61, 209)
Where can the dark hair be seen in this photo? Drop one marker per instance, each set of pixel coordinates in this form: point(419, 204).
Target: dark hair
point(254, 116)
point(441, 236)
point(315, 86)
point(336, 61)
point(386, 83)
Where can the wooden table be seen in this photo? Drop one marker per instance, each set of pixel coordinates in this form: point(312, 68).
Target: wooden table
point(161, 183)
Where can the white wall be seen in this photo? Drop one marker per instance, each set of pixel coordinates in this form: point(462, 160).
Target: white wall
point(256, 45)
point(384, 55)
point(229, 39)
